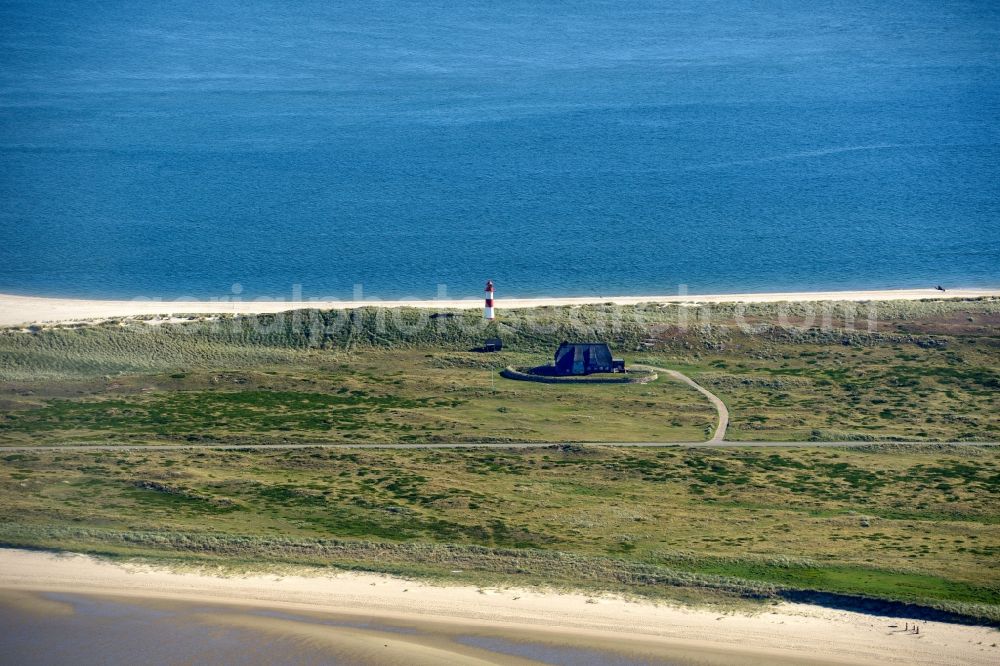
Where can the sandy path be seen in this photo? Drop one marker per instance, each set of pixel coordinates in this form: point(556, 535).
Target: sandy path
point(720, 407)
point(20, 310)
point(792, 631)
point(732, 444)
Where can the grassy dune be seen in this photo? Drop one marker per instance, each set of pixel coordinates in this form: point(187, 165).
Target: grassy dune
point(914, 524)
point(917, 525)
point(371, 396)
point(927, 371)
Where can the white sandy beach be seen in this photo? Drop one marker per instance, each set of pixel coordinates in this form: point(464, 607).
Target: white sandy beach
point(24, 310)
point(788, 633)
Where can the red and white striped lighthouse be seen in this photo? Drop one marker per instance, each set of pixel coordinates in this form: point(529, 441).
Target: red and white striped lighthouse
point(488, 310)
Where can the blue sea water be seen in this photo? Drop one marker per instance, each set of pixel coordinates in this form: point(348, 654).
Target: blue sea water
point(168, 149)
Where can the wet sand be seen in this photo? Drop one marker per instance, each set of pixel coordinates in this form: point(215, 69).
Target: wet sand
point(24, 310)
point(104, 612)
point(57, 627)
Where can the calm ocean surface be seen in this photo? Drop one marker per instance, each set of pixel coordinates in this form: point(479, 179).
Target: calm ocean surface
point(174, 149)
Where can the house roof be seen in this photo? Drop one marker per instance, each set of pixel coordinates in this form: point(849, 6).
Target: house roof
point(592, 354)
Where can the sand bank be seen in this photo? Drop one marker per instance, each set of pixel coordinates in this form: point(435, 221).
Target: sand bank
point(788, 633)
point(21, 310)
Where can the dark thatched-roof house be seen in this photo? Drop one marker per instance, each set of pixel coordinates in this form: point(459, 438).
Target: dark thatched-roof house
point(583, 358)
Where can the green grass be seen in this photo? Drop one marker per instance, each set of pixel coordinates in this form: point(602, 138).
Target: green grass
point(200, 410)
point(926, 373)
point(808, 392)
point(874, 523)
point(854, 581)
point(917, 524)
point(373, 396)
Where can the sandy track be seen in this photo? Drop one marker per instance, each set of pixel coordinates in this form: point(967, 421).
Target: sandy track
point(459, 445)
point(22, 310)
point(804, 634)
point(720, 407)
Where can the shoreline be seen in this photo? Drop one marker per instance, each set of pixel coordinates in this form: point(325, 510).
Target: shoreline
point(27, 310)
point(797, 633)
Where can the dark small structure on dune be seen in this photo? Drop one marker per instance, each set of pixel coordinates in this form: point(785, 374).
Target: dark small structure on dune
point(584, 358)
point(490, 345)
